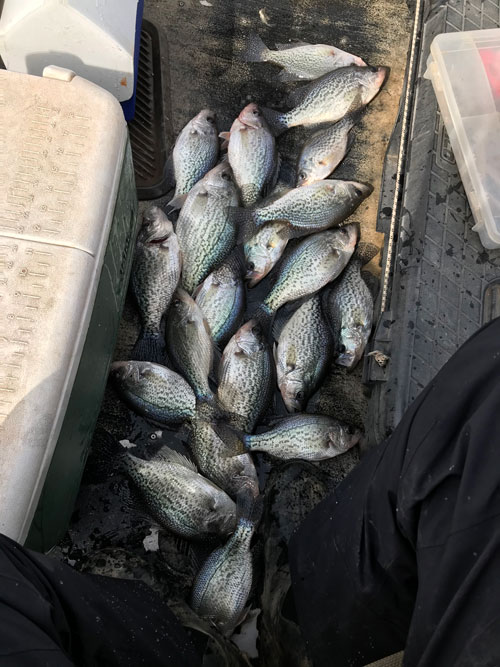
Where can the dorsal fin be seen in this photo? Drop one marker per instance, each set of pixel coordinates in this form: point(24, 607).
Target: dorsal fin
point(290, 45)
point(167, 455)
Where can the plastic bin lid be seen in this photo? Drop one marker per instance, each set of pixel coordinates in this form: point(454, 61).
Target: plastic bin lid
point(62, 144)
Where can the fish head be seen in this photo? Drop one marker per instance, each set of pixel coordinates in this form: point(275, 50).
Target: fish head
point(372, 80)
point(257, 264)
point(346, 237)
point(221, 518)
point(205, 122)
point(352, 344)
point(249, 339)
point(342, 437)
point(294, 394)
point(354, 190)
point(220, 179)
point(156, 227)
point(184, 309)
point(130, 375)
point(312, 168)
point(251, 116)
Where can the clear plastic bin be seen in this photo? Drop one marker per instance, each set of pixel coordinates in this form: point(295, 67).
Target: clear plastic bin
point(464, 68)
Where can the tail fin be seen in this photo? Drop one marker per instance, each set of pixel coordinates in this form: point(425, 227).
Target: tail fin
point(265, 318)
point(149, 347)
point(234, 440)
point(248, 506)
point(276, 120)
point(255, 50)
point(365, 252)
point(208, 409)
point(246, 221)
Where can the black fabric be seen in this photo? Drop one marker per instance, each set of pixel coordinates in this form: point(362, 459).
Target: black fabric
point(406, 553)
point(53, 616)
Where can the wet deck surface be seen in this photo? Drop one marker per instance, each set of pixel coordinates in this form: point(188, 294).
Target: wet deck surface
point(204, 40)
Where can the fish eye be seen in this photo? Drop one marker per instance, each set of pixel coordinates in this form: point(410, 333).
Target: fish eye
point(299, 395)
point(256, 329)
point(350, 429)
point(342, 349)
point(302, 175)
point(225, 176)
point(256, 112)
point(250, 266)
point(177, 303)
point(358, 192)
point(373, 69)
point(210, 119)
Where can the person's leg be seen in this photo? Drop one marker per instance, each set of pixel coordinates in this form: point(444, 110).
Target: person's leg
point(52, 615)
point(406, 553)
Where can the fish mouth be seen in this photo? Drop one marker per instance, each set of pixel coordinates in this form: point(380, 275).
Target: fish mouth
point(348, 359)
point(253, 278)
point(383, 74)
point(122, 370)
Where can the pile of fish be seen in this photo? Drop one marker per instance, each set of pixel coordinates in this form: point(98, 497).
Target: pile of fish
point(205, 363)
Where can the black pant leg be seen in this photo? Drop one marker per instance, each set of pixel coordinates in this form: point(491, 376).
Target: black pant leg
point(406, 552)
point(52, 615)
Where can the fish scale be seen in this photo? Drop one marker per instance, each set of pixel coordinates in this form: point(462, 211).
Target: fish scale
point(246, 377)
point(205, 228)
point(231, 473)
point(302, 354)
point(349, 308)
point(195, 152)
point(180, 498)
point(316, 261)
point(304, 436)
point(222, 299)
point(314, 207)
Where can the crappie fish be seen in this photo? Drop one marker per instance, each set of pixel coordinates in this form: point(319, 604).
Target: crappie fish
point(348, 306)
point(300, 60)
point(178, 497)
point(302, 354)
point(252, 154)
point(316, 261)
point(263, 250)
point(311, 208)
point(195, 153)
point(221, 297)
point(155, 273)
point(246, 377)
point(303, 436)
point(346, 90)
point(222, 586)
point(206, 229)
point(324, 151)
point(189, 342)
point(154, 391)
point(230, 473)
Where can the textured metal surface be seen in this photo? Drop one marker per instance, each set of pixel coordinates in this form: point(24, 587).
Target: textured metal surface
point(439, 291)
point(147, 133)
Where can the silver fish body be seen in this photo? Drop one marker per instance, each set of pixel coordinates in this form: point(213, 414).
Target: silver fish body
point(179, 498)
point(252, 154)
point(263, 250)
point(206, 229)
point(324, 151)
point(313, 207)
point(230, 473)
point(349, 309)
point(246, 377)
point(302, 354)
point(196, 151)
point(304, 436)
point(156, 271)
point(330, 98)
point(221, 297)
point(222, 586)
point(154, 391)
point(316, 261)
point(301, 61)
point(189, 342)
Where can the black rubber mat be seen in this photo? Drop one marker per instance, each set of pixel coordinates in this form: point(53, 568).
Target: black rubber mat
point(442, 284)
point(147, 129)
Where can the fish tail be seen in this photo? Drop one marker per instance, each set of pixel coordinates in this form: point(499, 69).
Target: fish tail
point(276, 120)
point(246, 221)
point(249, 507)
point(208, 408)
point(149, 347)
point(265, 317)
point(255, 50)
point(236, 441)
